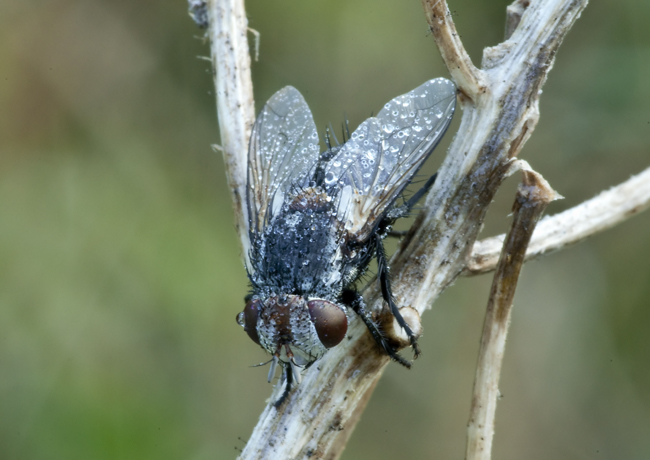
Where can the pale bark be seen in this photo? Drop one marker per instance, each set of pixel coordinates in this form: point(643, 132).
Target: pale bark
point(553, 233)
point(231, 64)
point(533, 195)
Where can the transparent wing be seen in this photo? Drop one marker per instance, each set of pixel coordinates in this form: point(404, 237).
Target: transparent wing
point(283, 148)
point(384, 153)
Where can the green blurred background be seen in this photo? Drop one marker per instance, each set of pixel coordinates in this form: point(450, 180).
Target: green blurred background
point(120, 274)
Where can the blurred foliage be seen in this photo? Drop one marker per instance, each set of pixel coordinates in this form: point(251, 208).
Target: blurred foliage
point(120, 274)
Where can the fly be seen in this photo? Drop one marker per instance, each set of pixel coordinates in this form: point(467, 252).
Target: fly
point(316, 220)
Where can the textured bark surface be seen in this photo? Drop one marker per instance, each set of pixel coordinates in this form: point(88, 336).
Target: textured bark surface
point(231, 64)
point(533, 196)
point(559, 231)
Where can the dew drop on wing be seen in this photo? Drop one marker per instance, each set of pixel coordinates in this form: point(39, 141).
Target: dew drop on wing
point(330, 178)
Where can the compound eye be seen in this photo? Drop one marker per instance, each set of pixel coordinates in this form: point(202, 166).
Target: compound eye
point(329, 320)
point(248, 319)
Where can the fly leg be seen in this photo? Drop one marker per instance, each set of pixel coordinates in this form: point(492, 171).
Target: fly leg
point(420, 193)
point(387, 293)
point(355, 300)
point(405, 209)
point(396, 233)
point(384, 229)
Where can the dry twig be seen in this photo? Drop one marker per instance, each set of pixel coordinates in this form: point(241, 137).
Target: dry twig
point(231, 64)
point(468, 78)
point(533, 196)
point(556, 232)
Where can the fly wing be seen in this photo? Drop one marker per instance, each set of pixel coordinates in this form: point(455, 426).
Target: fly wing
point(283, 149)
point(384, 153)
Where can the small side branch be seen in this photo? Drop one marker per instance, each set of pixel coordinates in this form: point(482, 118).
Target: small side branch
point(573, 225)
point(469, 79)
point(533, 196)
point(513, 16)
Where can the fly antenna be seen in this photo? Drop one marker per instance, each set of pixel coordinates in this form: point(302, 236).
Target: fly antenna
point(295, 369)
point(288, 377)
point(274, 364)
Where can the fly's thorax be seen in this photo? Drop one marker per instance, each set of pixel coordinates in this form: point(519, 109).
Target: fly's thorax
point(299, 249)
point(283, 324)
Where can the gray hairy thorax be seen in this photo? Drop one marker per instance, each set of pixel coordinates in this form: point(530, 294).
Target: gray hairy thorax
point(300, 252)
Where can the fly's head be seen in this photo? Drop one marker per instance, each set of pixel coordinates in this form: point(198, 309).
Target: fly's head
point(294, 329)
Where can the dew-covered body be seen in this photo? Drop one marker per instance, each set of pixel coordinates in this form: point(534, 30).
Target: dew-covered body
point(300, 252)
point(317, 220)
